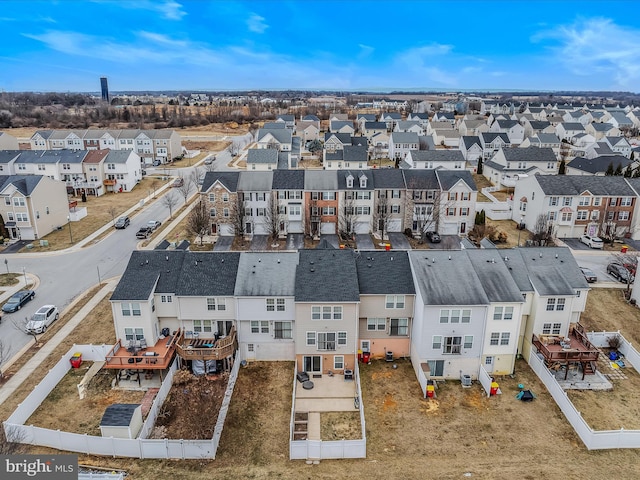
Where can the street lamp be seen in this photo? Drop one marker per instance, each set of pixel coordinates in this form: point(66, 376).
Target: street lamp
point(70, 233)
point(24, 272)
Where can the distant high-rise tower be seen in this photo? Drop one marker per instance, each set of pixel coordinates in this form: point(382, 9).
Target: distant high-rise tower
point(105, 89)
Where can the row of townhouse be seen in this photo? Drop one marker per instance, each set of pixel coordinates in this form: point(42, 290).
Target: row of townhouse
point(574, 205)
point(318, 202)
point(449, 311)
point(93, 172)
point(150, 145)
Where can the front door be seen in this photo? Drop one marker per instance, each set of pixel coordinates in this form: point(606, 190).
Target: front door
point(488, 364)
point(436, 368)
point(312, 363)
point(463, 227)
point(214, 229)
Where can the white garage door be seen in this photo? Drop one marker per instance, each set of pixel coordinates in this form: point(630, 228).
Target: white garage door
point(328, 228)
point(395, 225)
point(361, 227)
point(295, 227)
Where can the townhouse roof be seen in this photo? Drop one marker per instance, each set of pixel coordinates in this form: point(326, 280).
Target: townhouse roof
point(421, 116)
point(227, 179)
point(391, 115)
point(274, 126)
point(344, 138)
point(368, 117)
point(262, 155)
point(350, 153)
point(95, 156)
point(281, 135)
point(338, 124)
point(161, 134)
point(621, 118)
point(288, 180)
point(550, 271)
point(447, 115)
point(381, 272)
point(494, 275)
point(321, 180)
point(266, 275)
point(357, 176)
point(426, 142)
point(419, 179)
point(444, 125)
point(43, 133)
point(327, 276)
point(407, 124)
point(63, 156)
point(255, 181)
point(449, 178)
point(59, 134)
point(25, 184)
point(599, 164)
point(615, 140)
point(548, 138)
point(571, 185)
point(304, 124)
point(447, 133)
point(286, 117)
point(7, 156)
point(359, 141)
point(529, 154)
point(95, 134)
point(148, 272)
point(310, 118)
point(283, 161)
point(470, 140)
point(602, 127)
point(437, 155)
point(539, 124)
point(391, 178)
point(403, 137)
point(472, 123)
point(375, 126)
point(208, 274)
point(448, 278)
point(118, 156)
point(507, 123)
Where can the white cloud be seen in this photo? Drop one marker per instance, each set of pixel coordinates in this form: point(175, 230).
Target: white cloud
point(365, 50)
point(168, 9)
point(420, 63)
point(256, 23)
point(597, 46)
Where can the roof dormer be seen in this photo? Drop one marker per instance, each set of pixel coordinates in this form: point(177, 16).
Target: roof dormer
point(349, 181)
point(363, 180)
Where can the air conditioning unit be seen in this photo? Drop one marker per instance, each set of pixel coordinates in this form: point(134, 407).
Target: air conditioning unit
point(465, 380)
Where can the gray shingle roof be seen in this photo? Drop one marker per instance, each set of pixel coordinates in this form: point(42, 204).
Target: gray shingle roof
point(255, 181)
point(391, 178)
point(599, 164)
point(470, 140)
point(577, 184)
point(149, 271)
point(118, 156)
point(208, 274)
point(118, 415)
point(602, 127)
point(548, 138)
point(281, 135)
point(375, 126)
point(356, 174)
point(268, 275)
point(403, 137)
point(448, 178)
point(573, 126)
point(338, 124)
point(274, 126)
point(488, 137)
point(262, 155)
point(228, 179)
point(494, 275)
point(327, 276)
point(7, 156)
point(321, 180)
point(437, 155)
point(344, 138)
point(393, 267)
point(529, 154)
point(420, 179)
point(506, 123)
point(539, 124)
point(25, 184)
point(288, 180)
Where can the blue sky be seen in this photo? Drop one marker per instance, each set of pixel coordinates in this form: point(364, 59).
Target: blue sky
point(66, 45)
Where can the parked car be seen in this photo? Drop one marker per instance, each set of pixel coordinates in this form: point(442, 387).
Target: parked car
point(156, 163)
point(122, 222)
point(178, 182)
point(209, 160)
point(434, 237)
point(589, 276)
point(592, 242)
point(144, 232)
point(40, 321)
point(17, 300)
point(620, 273)
point(153, 224)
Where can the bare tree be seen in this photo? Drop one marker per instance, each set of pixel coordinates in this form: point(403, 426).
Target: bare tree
point(628, 261)
point(608, 229)
point(154, 186)
point(113, 211)
point(170, 200)
point(198, 220)
point(272, 218)
point(4, 356)
point(21, 325)
point(428, 208)
point(238, 215)
point(544, 230)
point(382, 214)
point(185, 188)
point(313, 215)
point(347, 217)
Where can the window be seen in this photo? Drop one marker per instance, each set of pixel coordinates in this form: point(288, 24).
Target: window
point(271, 305)
point(202, 326)
point(126, 309)
point(613, 201)
point(395, 208)
point(453, 195)
point(260, 197)
point(311, 338)
point(22, 217)
point(455, 316)
point(225, 212)
point(394, 301)
point(468, 341)
point(133, 333)
point(560, 304)
point(328, 210)
point(464, 211)
point(261, 212)
point(451, 211)
point(211, 304)
point(584, 201)
point(504, 338)
point(282, 330)
point(465, 196)
point(7, 201)
point(342, 338)
point(18, 201)
point(503, 313)
point(566, 216)
point(326, 341)
point(295, 210)
point(399, 327)
point(280, 306)
point(553, 201)
point(212, 197)
point(547, 329)
point(622, 216)
point(495, 338)
point(212, 212)
point(436, 343)
point(259, 326)
point(452, 345)
point(363, 195)
point(597, 201)
point(338, 362)
point(135, 309)
point(250, 347)
point(375, 323)
point(551, 304)
point(248, 212)
point(395, 193)
point(166, 298)
point(315, 313)
point(551, 216)
point(581, 215)
point(225, 197)
point(219, 304)
point(328, 195)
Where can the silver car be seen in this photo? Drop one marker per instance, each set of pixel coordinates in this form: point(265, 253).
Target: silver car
point(45, 316)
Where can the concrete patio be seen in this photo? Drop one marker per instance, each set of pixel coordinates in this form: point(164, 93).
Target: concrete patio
point(329, 394)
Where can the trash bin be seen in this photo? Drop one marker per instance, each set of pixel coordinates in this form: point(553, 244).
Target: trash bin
point(624, 249)
point(387, 247)
point(366, 357)
point(76, 360)
point(494, 388)
point(359, 355)
point(431, 390)
point(389, 357)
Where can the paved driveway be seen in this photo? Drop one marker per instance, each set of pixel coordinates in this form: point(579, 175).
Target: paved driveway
point(295, 241)
point(223, 244)
point(448, 242)
point(258, 243)
point(363, 242)
point(16, 246)
point(399, 241)
point(575, 244)
point(332, 239)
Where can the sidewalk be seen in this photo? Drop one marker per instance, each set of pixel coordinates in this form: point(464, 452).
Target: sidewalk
point(34, 363)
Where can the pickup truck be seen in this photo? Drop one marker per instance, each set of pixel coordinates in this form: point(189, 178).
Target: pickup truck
point(144, 232)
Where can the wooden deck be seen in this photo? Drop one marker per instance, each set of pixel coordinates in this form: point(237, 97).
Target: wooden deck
point(191, 347)
point(153, 357)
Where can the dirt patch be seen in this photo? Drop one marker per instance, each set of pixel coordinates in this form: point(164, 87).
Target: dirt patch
point(9, 279)
point(340, 426)
point(54, 412)
point(192, 406)
point(606, 310)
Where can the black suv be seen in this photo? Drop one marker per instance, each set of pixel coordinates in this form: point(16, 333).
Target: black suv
point(433, 237)
point(122, 222)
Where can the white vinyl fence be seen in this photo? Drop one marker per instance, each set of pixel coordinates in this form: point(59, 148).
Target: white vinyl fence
point(631, 355)
point(485, 380)
point(593, 440)
point(141, 447)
